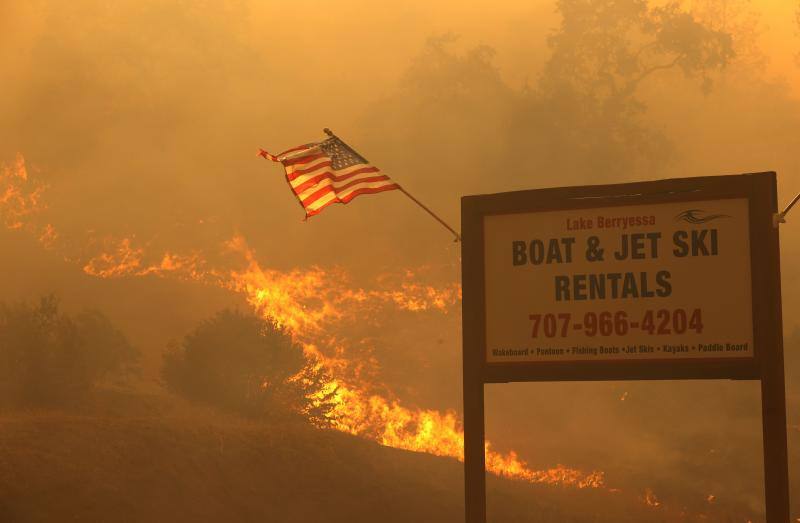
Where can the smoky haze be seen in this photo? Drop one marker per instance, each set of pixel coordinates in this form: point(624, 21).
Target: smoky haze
point(143, 119)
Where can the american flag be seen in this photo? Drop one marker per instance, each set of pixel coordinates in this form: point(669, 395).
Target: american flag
point(329, 172)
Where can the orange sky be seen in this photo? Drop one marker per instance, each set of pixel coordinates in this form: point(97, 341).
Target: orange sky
point(781, 40)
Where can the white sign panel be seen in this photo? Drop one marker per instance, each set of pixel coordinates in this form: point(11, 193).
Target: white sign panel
point(647, 282)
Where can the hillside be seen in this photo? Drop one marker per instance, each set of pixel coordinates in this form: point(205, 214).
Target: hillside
point(165, 461)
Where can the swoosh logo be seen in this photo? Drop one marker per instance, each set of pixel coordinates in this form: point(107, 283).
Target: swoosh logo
point(698, 216)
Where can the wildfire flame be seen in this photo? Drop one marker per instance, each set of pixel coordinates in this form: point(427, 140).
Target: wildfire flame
point(120, 258)
point(20, 197)
point(650, 498)
point(308, 303)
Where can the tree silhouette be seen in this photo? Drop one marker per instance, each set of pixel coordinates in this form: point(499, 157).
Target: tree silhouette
point(48, 358)
point(604, 49)
point(584, 117)
point(248, 365)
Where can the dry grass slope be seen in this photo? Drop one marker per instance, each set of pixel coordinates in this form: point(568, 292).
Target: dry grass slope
point(166, 461)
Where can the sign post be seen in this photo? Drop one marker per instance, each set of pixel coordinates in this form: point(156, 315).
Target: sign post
point(672, 279)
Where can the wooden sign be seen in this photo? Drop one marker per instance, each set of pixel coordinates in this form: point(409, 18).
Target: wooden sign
point(672, 279)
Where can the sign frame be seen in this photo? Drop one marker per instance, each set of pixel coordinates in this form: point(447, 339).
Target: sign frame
point(766, 365)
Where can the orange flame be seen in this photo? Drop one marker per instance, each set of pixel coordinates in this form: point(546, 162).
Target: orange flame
point(650, 498)
point(121, 258)
point(20, 197)
point(308, 303)
point(48, 236)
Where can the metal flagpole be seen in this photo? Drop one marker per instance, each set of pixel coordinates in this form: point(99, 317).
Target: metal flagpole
point(423, 206)
point(457, 236)
point(781, 216)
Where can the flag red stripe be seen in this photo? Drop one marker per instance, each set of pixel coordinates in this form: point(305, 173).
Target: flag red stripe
point(267, 155)
point(303, 159)
point(316, 195)
point(331, 175)
point(300, 172)
point(371, 179)
point(368, 190)
point(316, 184)
point(349, 197)
point(310, 212)
point(323, 191)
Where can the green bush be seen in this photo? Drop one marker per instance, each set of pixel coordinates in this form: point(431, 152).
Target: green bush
point(49, 359)
point(244, 364)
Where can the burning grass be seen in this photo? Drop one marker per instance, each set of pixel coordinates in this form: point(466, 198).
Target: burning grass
point(319, 306)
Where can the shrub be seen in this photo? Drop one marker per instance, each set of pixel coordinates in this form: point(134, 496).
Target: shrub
point(48, 358)
point(248, 365)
